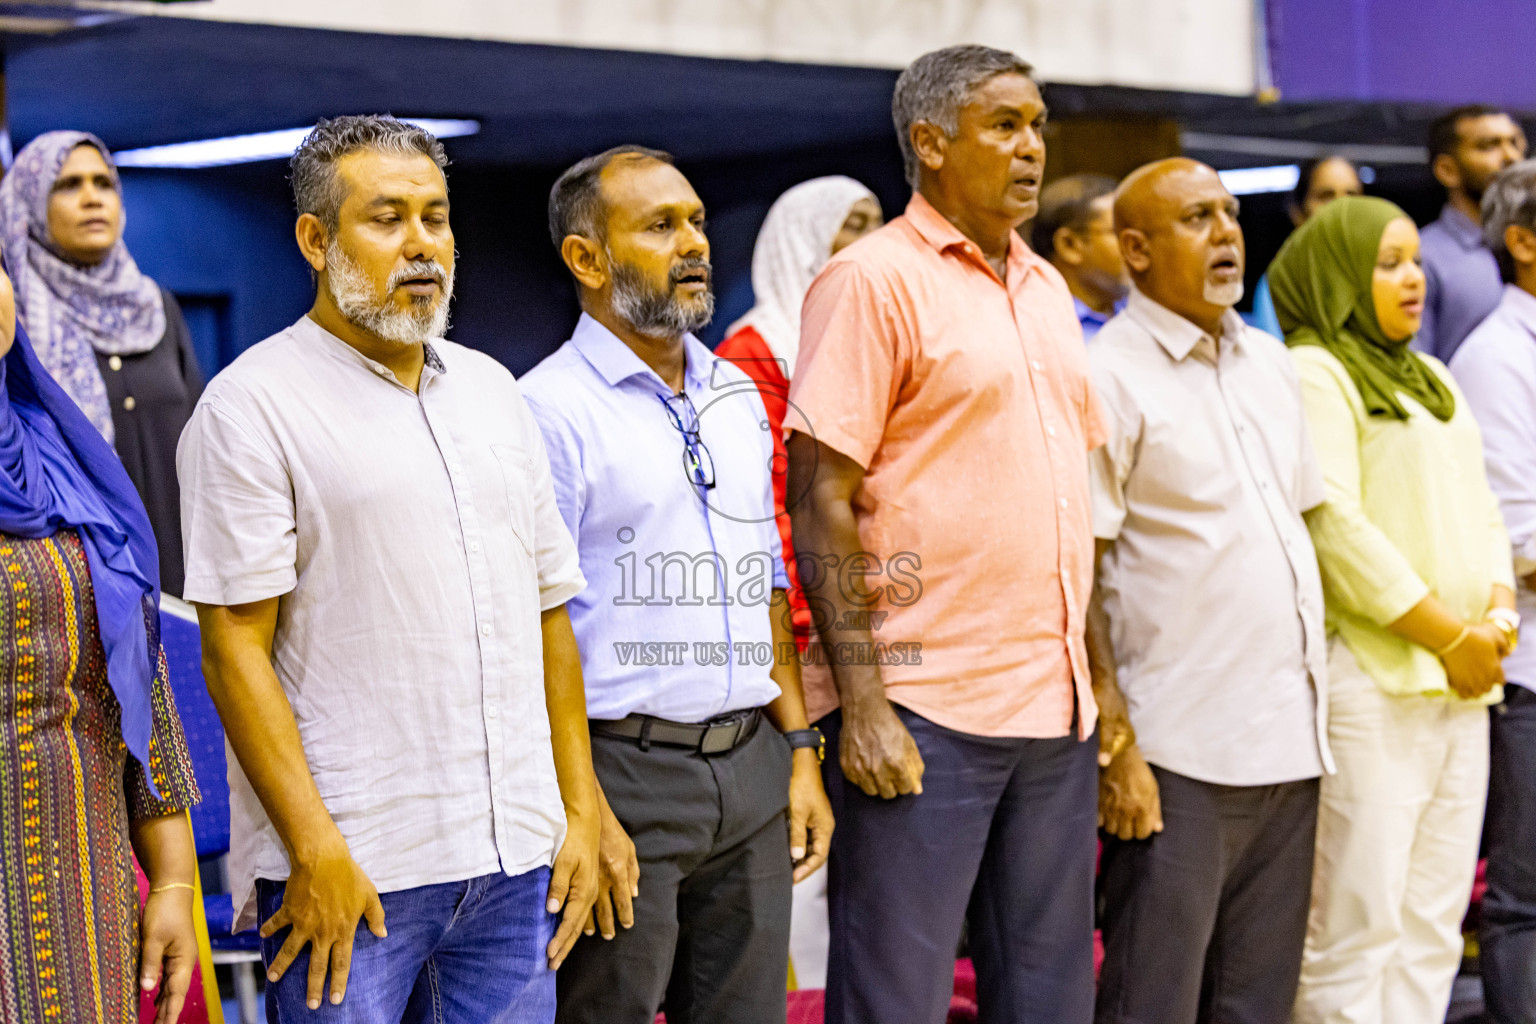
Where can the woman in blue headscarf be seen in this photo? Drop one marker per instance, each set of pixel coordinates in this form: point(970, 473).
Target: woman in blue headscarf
point(93, 761)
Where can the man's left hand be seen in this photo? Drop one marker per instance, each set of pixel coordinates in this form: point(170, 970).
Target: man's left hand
point(810, 815)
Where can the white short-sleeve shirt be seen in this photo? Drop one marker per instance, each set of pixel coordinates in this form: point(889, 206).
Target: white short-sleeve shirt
point(414, 540)
point(1212, 587)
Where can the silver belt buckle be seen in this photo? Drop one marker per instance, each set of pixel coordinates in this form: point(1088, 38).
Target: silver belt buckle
point(720, 738)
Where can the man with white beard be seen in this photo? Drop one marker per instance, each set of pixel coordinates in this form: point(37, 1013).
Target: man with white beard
point(1214, 604)
point(380, 571)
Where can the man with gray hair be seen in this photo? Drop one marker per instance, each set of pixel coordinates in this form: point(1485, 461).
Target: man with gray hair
point(942, 412)
point(1496, 368)
point(381, 573)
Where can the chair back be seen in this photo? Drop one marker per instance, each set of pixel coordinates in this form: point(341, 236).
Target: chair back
point(205, 734)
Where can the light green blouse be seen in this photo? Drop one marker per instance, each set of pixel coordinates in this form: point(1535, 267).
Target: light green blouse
point(1409, 513)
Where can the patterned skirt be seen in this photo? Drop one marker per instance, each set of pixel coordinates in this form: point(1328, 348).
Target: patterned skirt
point(69, 914)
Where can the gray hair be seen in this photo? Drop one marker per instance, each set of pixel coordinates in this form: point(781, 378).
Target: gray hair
point(934, 87)
point(1510, 199)
point(576, 199)
point(317, 188)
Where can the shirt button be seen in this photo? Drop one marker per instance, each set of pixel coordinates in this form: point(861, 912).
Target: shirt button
point(1063, 502)
point(115, 363)
point(130, 403)
point(474, 545)
point(485, 630)
point(1050, 431)
point(1038, 366)
point(453, 467)
point(490, 712)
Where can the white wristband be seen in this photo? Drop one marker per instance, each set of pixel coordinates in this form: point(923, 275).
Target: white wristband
point(1506, 615)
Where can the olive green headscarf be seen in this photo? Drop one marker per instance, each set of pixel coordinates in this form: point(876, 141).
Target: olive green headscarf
point(1321, 283)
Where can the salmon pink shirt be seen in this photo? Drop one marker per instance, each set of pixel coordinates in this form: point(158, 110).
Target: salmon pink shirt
point(969, 404)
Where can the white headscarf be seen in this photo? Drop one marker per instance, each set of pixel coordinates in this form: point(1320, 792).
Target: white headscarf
point(793, 246)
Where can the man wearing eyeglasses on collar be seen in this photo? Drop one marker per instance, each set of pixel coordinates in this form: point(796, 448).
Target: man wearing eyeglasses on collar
point(660, 456)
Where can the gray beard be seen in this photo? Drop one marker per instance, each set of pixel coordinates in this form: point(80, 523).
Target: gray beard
point(359, 302)
point(1224, 294)
point(652, 312)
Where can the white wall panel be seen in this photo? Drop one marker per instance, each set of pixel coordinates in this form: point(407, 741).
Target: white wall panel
point(1197, 45)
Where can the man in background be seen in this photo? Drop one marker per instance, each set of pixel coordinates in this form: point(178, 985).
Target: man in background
point(1496, 368)
point(1075, 231)
point(1467, 147)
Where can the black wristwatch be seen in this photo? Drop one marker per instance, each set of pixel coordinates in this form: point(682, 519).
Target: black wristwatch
point(812, 737)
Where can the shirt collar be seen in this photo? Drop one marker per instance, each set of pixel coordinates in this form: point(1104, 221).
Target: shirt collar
point(942, 235)
point(432, 361)
point(615, 361)
point(1522, 305)
point(1461, 227)
point(1176, 335)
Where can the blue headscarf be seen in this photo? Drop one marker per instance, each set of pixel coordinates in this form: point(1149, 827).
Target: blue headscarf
point(58, 472)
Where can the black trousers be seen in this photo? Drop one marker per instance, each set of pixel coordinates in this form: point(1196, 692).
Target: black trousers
point(1003, 834)
point(1205, 921)
point(711, 934)
point(1508, 933)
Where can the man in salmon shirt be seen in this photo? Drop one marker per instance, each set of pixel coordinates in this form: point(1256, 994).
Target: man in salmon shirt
point(942, 413)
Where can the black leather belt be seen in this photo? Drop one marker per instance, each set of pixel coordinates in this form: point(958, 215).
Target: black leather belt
point(716, 736)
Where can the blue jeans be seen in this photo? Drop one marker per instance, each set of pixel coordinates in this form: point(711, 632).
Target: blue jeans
point(459, 953)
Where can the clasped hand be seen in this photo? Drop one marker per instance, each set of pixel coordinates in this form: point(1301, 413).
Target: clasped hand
point(1475, 666)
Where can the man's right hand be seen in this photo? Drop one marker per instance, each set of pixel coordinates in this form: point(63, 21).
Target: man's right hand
point(1474, 666)
point(324, 897)
point(1130, 806)
point(877, 752)
point(618, 875)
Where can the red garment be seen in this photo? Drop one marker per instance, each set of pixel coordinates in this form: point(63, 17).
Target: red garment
point(747, 349)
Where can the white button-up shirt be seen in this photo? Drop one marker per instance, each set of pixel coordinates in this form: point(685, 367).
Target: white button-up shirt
point(414, 541)
point(1212, 586)
point(1496, 368)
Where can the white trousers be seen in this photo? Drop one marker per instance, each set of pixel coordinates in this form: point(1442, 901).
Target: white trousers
point(1397, 838)
point(809, 934)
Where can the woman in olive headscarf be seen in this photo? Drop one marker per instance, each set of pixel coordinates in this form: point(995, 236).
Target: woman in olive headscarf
point(1417, 576)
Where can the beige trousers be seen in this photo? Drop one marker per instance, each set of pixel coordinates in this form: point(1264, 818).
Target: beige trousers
point(808, 931)
point(1397, 839)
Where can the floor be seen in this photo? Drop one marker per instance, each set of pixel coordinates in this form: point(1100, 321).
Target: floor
point(1466, 1004)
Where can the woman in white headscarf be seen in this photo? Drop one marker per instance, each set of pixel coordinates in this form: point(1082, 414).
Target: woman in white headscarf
point(805, 226)
point(803, 229)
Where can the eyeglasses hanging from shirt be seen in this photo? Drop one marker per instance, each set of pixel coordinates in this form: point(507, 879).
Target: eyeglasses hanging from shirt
point(698, 465)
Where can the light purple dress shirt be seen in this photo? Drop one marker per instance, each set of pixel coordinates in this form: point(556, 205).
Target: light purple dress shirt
point(1496, 368)
point(674, 621)
point(1462, 283)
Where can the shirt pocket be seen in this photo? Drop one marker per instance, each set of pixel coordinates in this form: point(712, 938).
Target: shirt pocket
point(516, 465)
